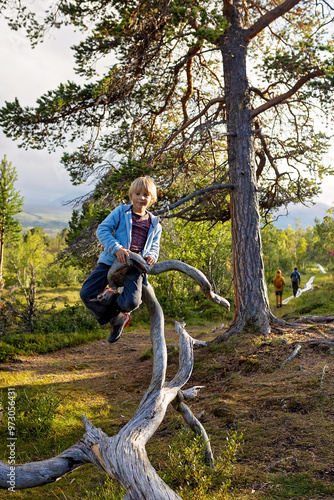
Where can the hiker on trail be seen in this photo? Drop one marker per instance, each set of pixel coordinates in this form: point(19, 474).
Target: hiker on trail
point(128, 228)
point(295, 280)
point(279, 283)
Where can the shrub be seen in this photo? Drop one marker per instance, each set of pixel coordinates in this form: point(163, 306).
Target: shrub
point(34, 412)
point(70, 319)
point(190, 476)
point(7, 352)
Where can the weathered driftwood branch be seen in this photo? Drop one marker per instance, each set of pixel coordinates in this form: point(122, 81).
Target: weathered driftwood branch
point(124, 456)
point(171, 265)
point(314, 319)
point(292, 355)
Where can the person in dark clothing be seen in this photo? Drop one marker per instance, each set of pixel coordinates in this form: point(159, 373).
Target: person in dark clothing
point(295, 280)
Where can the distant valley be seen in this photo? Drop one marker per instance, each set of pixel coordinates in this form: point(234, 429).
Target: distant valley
point(300, 214)
point(52, 217)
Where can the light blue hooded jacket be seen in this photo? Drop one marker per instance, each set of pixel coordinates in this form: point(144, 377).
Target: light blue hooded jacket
point(115, 233)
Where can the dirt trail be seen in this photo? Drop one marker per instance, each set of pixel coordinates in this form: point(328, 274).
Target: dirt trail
point(93, 364)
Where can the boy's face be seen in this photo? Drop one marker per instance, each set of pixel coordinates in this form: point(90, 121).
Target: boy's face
point(141, 200)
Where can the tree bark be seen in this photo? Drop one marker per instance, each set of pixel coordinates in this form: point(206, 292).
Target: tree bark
point(251, 298)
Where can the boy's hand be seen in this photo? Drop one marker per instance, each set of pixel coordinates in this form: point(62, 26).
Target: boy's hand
point(149, 260)
point(122, 255)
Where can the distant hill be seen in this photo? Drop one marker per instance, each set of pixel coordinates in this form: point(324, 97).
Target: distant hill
point(52, 217)
point(299, 213)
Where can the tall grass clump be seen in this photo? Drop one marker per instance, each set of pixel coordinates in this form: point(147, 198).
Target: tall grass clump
point(190, 476)
point(110, 490)
point(35, 411)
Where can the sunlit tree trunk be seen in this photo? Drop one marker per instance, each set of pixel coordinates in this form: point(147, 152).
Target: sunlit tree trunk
point(251, 302)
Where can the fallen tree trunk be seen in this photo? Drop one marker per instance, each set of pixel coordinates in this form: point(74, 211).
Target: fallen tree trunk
point(314, 319)
point(124, 456)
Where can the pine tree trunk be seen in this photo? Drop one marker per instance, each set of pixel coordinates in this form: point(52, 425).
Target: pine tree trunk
point(251, 299)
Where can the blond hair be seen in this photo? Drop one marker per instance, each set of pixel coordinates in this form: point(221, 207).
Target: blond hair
point(145, 183)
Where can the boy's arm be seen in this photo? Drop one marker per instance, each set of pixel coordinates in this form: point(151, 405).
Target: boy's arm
point(105, 230)
point(155, 248)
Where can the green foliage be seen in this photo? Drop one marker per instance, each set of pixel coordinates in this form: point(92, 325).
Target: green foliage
point(58, 328)
point(26, 344)
point(11, 202)
point(35, 248)
point(209, 23)
point(10, 205)
point(110, 490)
point(209, 250)
point(159, 83)
point(69, 319)
point(323, 242)
point(190, 476)
point(35, 411)
point(7, 352)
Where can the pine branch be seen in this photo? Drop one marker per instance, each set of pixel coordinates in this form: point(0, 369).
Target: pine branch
point(270, 17)
point(283, 97)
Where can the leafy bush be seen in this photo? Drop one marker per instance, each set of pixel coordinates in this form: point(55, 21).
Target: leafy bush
point(58, 274)
point(70, 319)
point(190, 476)
point(71, 326)
point(7, 352)
point(34, 412)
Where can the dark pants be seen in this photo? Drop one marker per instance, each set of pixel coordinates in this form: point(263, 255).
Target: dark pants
point(127, 301)
point(295, 288)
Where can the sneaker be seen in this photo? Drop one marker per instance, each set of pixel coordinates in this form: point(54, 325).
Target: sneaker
point(117, 326)
point(106, 297)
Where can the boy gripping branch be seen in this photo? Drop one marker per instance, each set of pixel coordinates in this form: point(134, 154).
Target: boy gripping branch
point(127, 228)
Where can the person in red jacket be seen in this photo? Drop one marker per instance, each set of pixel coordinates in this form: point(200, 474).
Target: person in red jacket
point(279, 283)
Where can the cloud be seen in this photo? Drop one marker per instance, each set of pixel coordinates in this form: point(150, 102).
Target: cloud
point(28, 73)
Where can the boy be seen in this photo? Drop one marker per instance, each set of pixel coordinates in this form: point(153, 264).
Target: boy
point(127, 228)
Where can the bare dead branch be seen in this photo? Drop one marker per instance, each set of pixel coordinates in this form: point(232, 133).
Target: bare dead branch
point(292, 355)
point(194, 195)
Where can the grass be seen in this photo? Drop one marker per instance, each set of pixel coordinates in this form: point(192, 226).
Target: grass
point(59, 296)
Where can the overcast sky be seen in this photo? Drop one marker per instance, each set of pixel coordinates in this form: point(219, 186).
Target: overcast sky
point(28, 73)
